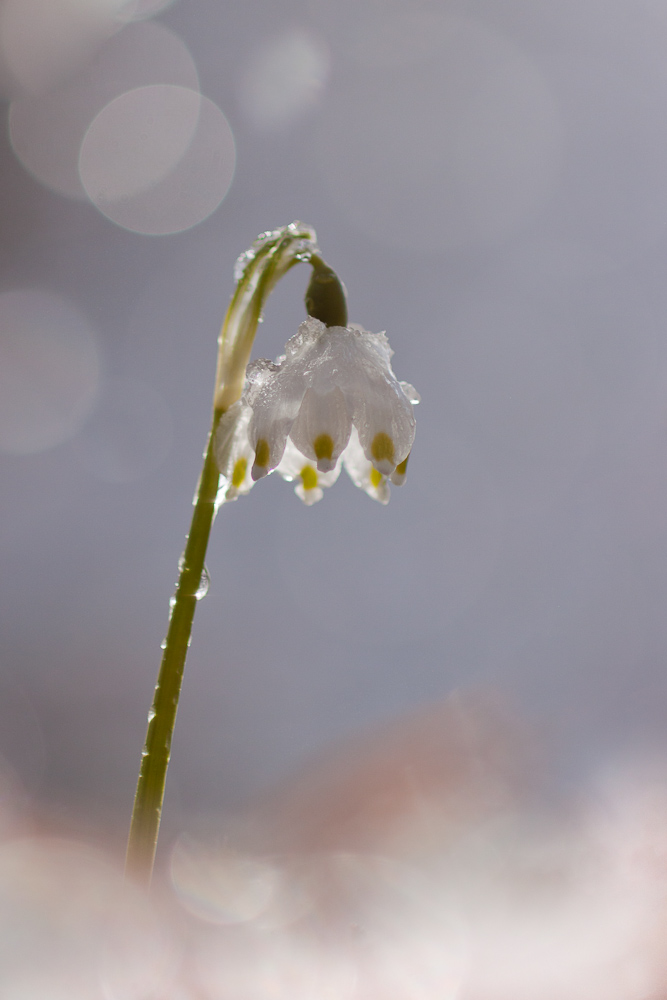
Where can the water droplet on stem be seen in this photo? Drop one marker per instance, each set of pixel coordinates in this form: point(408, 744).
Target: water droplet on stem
point(204, 584)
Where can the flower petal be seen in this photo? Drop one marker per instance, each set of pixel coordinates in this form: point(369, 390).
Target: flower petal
point(322, 427)
point(309, 481)
point(233, 452)
point(275, 403)
point(398, 475)
point(363, 473)
point(384, 419)
point(380, 408)
point(309, 495)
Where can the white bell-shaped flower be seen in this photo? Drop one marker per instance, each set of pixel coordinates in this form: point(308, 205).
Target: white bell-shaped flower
point(329, 379)
point(331, 399)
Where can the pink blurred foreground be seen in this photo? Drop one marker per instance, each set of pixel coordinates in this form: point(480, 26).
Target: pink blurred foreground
point(420, 862)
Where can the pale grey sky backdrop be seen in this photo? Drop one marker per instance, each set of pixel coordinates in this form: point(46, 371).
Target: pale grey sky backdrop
point(490, 181)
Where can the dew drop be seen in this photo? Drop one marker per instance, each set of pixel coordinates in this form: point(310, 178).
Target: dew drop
point(304, 250)
point(204, 584)
point(242, 264)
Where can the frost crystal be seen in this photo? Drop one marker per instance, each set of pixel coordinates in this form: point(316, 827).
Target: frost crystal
point(302, 250)
point(332, 399)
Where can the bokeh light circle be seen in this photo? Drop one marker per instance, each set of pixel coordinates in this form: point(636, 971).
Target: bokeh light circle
point(44, 41)
point(46, 131)
point(284, 79)
point(158, 159)
point(49, 371)
point(137, 140)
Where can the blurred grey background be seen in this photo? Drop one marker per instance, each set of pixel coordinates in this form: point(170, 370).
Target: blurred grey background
point(490, 181)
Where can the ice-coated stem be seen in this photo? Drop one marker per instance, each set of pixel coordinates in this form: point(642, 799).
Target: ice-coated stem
point(257, 272)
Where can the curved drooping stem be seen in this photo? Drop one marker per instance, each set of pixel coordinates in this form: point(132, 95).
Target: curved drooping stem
point(257, 272)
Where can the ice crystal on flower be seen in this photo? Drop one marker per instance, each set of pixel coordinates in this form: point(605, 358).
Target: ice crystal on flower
point(302, 250)
point(332, 399)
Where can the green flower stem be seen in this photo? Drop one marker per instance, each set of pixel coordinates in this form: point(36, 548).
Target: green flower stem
point(162, 716)
point(260, 268)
